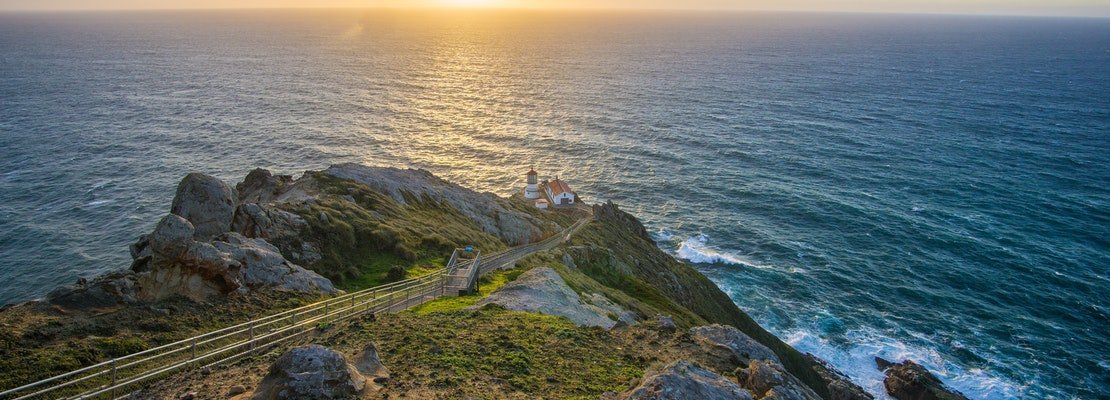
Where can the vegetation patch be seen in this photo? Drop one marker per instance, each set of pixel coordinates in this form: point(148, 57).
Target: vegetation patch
point(361, 233)
point(487, 284)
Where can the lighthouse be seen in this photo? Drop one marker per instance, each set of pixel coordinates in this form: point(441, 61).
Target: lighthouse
point(532, 191)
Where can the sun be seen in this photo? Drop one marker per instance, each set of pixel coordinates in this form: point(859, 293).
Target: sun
point(468, 3)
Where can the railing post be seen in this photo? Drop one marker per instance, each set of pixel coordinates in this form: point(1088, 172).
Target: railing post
point(327, 311)
point(252, 334)
point(112, 392)
point(193, 349)
point(294, 318)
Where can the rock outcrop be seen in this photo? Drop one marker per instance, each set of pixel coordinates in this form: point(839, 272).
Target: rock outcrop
point(261, 186)
point(542, 290)
point(489, 212)
point(767, 380)
point(730, 345)
point(840, 386)
point(682, 380)
point(910, 381)
point(206, 202)
point(310, 372)
point(180, 265)
point(108, 290)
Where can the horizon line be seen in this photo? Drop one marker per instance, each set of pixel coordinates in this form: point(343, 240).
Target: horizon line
point(541, 9)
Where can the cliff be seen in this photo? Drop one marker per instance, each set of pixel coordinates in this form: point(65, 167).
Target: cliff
point(605, 314)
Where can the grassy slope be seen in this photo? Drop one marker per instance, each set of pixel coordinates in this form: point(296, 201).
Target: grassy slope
point(657, 279)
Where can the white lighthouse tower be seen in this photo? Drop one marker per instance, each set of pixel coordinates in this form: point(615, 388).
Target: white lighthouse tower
point(532, 191)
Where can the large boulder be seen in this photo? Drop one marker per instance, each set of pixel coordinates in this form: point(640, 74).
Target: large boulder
point(104, 291)
point(310, 372)
point(910, 381)
point(542, 290)
point(730, 345)
point(768, 380)
point(682, 380)
point(206, 202)
point(262, 266)
point(180, 265)
point(260, 221)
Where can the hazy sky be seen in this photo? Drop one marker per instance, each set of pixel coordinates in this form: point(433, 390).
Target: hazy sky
point(1099, 8)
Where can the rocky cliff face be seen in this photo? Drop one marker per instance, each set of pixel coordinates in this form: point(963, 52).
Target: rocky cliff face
point(193, 253)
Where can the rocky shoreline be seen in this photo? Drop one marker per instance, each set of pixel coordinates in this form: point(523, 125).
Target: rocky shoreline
point(351, 226)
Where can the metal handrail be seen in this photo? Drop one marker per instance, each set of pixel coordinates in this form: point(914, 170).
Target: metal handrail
point(359, 299)
point(375, 300)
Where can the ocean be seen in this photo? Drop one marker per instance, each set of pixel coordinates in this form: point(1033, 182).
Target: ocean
point(924, 187)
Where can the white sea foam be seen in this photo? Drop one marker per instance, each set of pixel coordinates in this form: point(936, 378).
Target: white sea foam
point(858, 362)
point(97, 203)
point(696, 250)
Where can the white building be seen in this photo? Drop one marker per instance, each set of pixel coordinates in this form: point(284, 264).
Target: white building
point(532, 190)
point(541, 204)
point(559, 192)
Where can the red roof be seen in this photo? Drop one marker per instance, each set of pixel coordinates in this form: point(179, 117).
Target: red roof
point(531, 172)
point(559, 187)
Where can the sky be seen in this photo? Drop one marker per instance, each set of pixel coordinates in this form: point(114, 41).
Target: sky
point(1090, 8)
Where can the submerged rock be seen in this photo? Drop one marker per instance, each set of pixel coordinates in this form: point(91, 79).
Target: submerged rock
point(206, 202)
point(682, 380)
point(542, 290)
point(910, 381)
point(310, 372)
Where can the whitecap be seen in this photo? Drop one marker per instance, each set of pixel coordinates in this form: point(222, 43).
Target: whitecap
point(97, 203)
point(696, 250)
point(858, 362)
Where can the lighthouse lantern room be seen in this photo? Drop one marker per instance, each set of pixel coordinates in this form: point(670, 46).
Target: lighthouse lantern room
point(532, 190)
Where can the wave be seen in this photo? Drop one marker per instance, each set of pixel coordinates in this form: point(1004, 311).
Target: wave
point(696, 250)
point(858, 362)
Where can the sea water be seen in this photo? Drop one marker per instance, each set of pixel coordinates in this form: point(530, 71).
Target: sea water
point(923, 187)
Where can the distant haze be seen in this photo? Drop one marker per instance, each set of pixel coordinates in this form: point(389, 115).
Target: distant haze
point(1089, 8)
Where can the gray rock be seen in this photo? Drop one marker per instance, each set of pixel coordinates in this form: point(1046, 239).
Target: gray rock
point(171, 238)
point(666, 324)
point(769, 380)
point(910, 381)
point(624, 317)
point(262, 266)
point(542, 290)
point(260, 186)
point(206, 202)
point(370, 365)
point(729, 344)
point(840, 386)
point(108, 290)
point(180, 265)
point(236, 390)
point(493, 214)
point(682, 380)
point(310, 372)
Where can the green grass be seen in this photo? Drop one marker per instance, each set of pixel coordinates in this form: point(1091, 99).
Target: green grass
point(641, 270)
point(488, 284)
point(364, 233)
point(491, 352)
